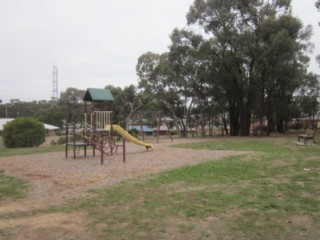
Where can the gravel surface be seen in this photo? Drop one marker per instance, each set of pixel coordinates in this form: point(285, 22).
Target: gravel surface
point(54, 179)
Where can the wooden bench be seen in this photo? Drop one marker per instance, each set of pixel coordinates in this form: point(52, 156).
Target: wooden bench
point(309, 134)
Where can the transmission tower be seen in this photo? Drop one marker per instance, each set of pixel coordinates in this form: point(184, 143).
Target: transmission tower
point(54, 85)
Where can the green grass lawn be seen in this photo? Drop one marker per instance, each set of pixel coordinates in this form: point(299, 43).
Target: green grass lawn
point(271, 191)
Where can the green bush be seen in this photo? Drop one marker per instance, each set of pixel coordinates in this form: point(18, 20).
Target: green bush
point(60, 141)
point(134, 132)
point(174, 132)
point(23, 132)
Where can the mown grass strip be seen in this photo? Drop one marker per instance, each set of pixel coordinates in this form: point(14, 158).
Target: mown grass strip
point(6, 152)
point(266, 145)
point(259, 196)
point(11, 188)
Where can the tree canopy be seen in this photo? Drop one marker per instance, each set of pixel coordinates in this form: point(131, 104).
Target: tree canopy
point(250, 62)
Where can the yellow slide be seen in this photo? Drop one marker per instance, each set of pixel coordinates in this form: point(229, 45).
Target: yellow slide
point(127, 135)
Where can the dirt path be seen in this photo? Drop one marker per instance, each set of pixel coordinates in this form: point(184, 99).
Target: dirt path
point(53, 180)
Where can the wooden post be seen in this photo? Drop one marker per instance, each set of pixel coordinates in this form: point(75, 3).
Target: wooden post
point(74, 140)
point(67, 142)
point(124, 149)
point(111, 139)
point(101, 146)
point(111, 128)
point(158, 127)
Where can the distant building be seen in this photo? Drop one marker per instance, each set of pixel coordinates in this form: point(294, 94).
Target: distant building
point(3, 122)
point(308, 122)
point(50, 129)
point(163, 130)
point(146, 130)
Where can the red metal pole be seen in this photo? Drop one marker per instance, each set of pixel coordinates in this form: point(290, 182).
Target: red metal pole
point(101, 146)
point(111, 128)
point(124, 149)
point(111, 139)
point(158, 127)
point(67, 133)
point(94, 132)
point(74, 141)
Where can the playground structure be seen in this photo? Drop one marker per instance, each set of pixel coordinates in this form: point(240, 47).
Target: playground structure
point(98, 130)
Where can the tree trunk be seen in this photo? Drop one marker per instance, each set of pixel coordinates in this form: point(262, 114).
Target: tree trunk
point(245, 116)
point(176, 124)
point(202, 124)
point(234, 119)
point(187, 115)
point(128, 119)
point(225, 126)
point(280, 125)
point(183, 128)
point(269, 118)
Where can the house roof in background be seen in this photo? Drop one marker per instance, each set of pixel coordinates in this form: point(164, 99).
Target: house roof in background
point(3, 121)
point(162, 128)
point(138, 127)
point(50, 127)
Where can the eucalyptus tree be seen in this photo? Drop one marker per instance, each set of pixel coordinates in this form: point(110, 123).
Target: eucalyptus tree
point(307, 96)
point(188, 60)
point(133, 101)
point(71, 104)
point(50, 115)
point(317, 4)
point(17, 108)
point(118, 111)
point(127, 101)
point(178, 78)
point(281, 67)
point(251, 57)
point(231, 24)
point(156, 80)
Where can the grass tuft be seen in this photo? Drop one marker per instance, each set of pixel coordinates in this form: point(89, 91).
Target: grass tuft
point(11, 188)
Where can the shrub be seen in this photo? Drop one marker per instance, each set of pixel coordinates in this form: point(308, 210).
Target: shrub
point(23, 132)
point(174, 132)
point(61, 140)
point(134, 132)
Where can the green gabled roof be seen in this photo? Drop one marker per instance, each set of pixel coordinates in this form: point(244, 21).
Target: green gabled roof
point(98, 95)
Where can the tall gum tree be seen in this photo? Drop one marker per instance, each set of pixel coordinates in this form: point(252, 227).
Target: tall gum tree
point(238, 48)
point(281, 66)
point(187, 68)
point(155, 78)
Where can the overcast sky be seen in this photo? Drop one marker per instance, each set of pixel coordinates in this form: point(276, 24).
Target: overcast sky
point(93, 43)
